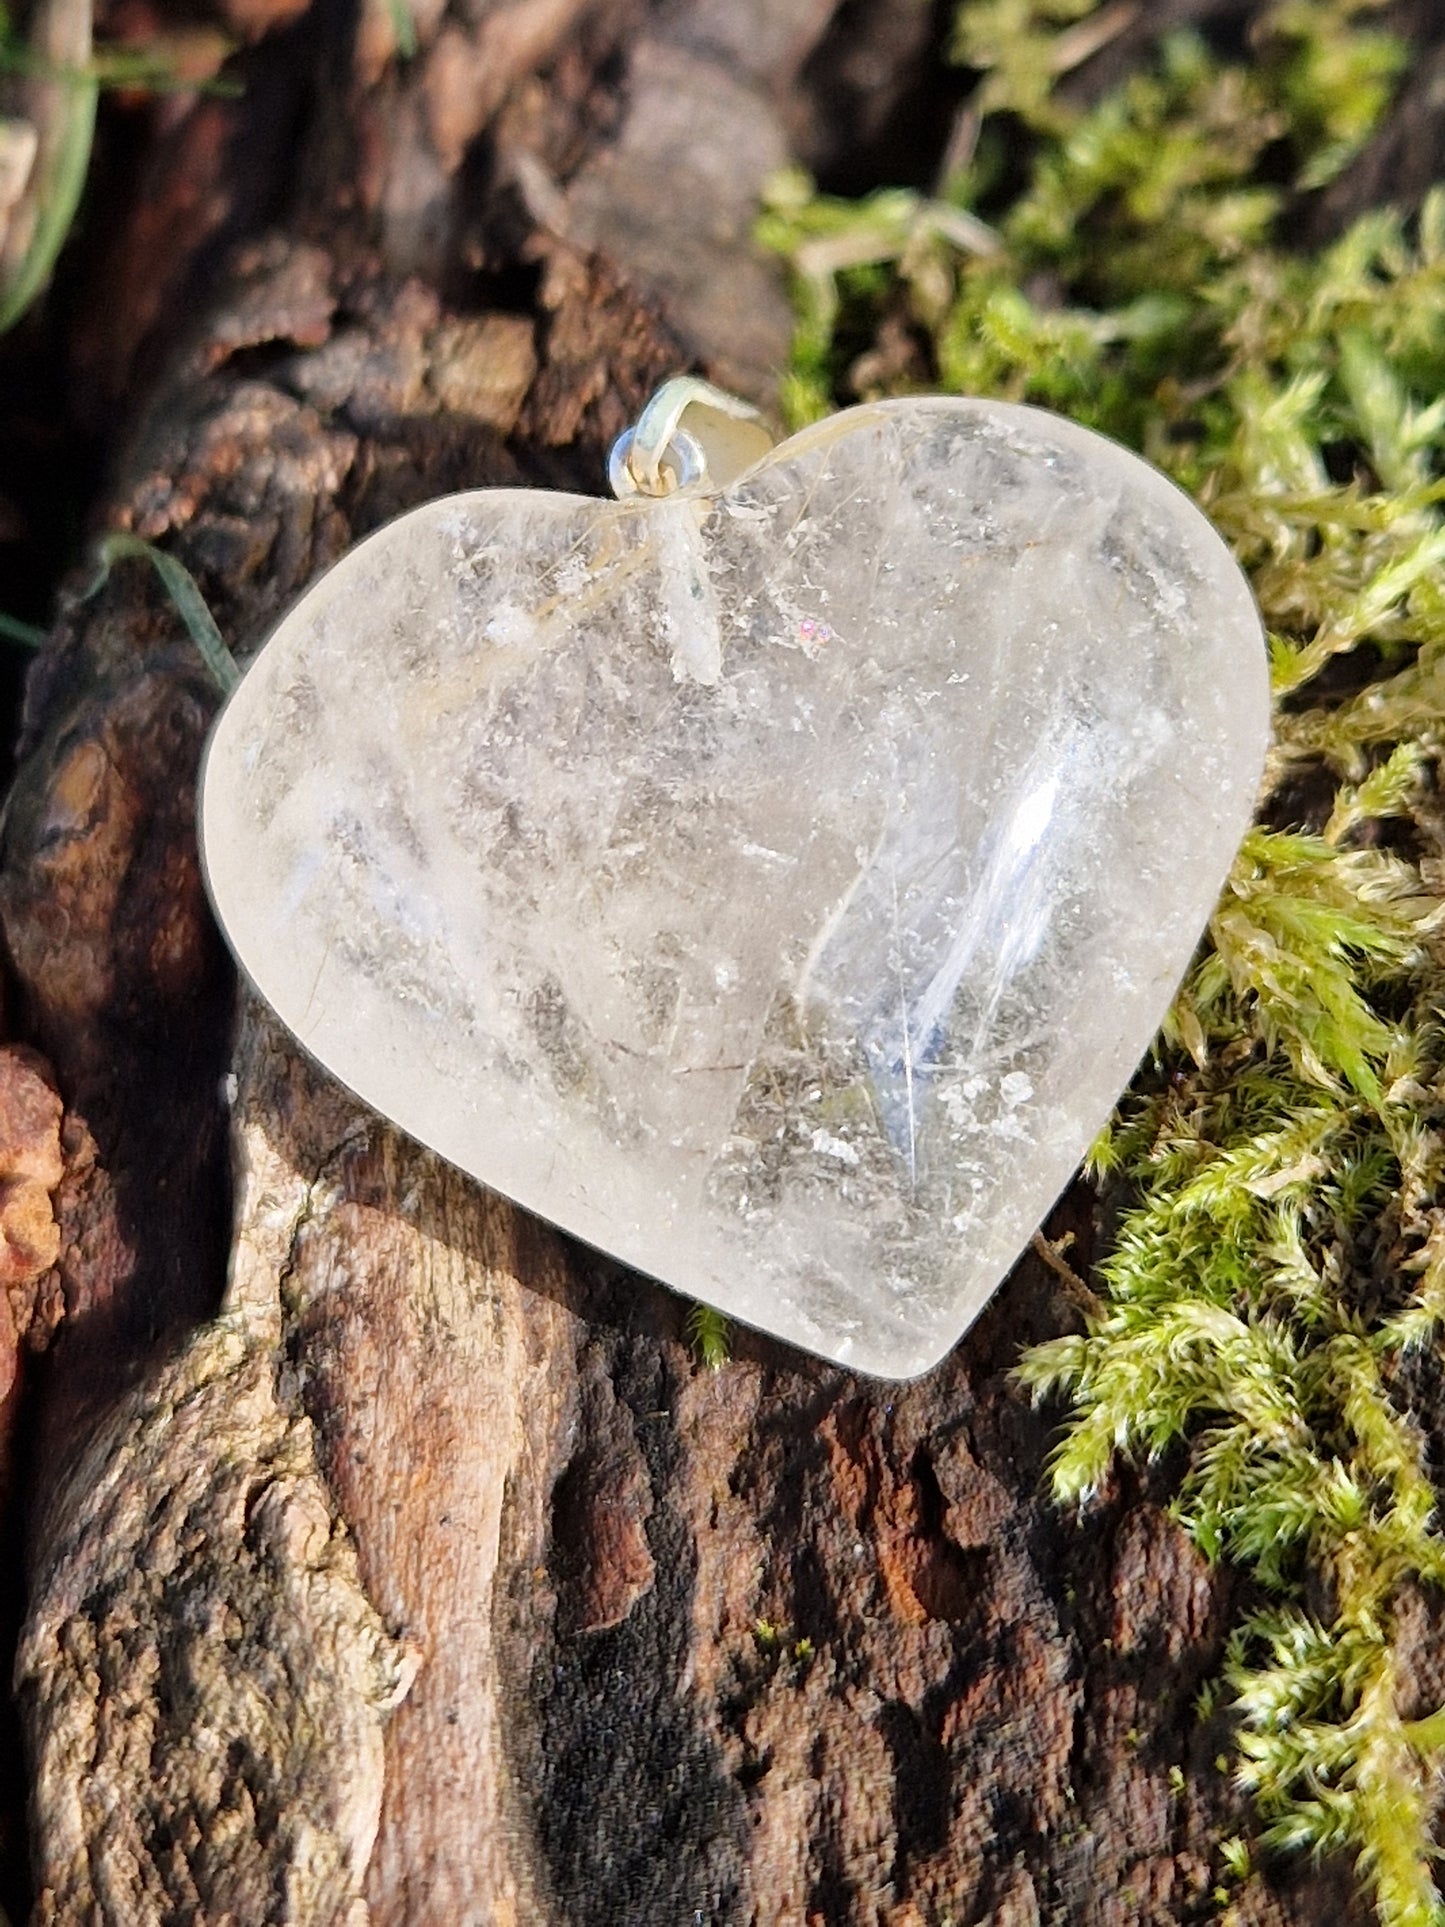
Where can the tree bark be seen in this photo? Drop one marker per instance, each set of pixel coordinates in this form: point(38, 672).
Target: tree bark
point(404, 1567)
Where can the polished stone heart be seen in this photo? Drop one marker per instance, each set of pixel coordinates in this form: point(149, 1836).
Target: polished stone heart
point(775, 888)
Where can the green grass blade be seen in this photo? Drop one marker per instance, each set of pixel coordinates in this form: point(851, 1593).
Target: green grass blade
point(190, 604)
point(25, 633)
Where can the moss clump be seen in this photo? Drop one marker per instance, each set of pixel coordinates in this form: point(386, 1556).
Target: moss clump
point(1277, 1286)
point(709, 1334)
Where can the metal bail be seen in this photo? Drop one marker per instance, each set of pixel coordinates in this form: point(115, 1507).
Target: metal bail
point(691, 437)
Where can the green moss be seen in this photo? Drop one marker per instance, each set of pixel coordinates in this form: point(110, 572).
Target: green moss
point(1279, 1269)
point(710, 1336)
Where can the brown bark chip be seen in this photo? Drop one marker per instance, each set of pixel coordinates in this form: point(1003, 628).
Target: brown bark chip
point(32, 1163)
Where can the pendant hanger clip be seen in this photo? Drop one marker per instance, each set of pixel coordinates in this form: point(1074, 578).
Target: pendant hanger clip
point(690, 438)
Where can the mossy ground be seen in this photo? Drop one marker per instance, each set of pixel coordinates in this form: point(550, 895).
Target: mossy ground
point(1278, 1274)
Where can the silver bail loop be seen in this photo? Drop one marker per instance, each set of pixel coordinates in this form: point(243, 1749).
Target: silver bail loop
point(690, 438)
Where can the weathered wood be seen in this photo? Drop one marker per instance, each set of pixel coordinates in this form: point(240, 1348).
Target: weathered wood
point(411, 1571)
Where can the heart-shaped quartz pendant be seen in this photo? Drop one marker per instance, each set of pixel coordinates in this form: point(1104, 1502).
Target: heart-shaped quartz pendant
point(773, 884)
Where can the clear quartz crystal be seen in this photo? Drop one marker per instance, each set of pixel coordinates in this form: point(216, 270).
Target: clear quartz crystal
point(774, 889)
